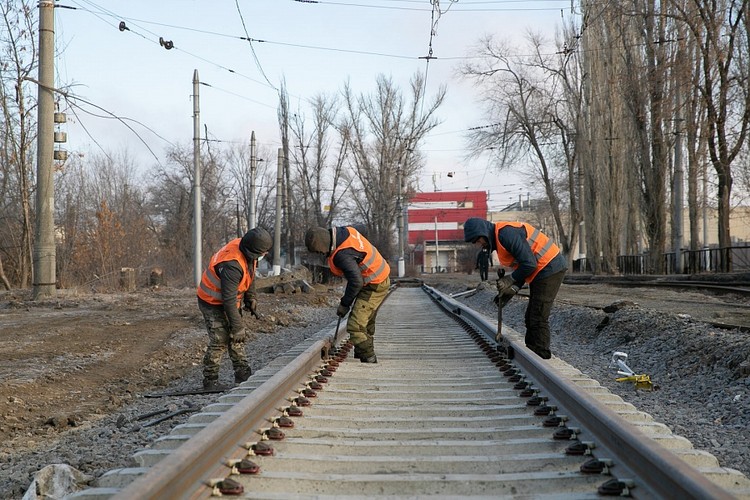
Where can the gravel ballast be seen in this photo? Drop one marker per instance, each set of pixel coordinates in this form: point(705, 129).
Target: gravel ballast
point(703, 391)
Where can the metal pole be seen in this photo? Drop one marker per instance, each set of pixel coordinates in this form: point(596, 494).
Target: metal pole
point(253, 165)
point(44, 249)
point(437, 248)
point(405, 211)
point(197, 229)
point(400, 227)
point(277, 229)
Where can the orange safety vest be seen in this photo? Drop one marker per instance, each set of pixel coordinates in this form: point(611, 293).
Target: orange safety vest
point(209, 289)
point(374, 268)
point(541, 245)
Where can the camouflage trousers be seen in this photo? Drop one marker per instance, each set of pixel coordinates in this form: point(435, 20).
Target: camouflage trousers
point(361, 323)
point(217, 326)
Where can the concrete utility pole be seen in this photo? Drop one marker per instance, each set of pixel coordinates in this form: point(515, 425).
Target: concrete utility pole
point(197, 226)
point(44, 248)
point(277, 229)
point(253, 166)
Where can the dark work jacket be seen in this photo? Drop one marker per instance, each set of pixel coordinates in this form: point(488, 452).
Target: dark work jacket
point(514, 241)
point(483, 259)
point(348, 259)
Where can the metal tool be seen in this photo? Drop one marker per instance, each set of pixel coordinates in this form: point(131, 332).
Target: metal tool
point(503, 346)
point(189, 409)
point(641, 381)
point(499, 334)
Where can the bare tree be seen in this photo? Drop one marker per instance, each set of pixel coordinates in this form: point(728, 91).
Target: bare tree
point(17, 134)
point(171, 195)
point(319, 156)
point(102, 221)
point(530, 120)
point(567, 119)
point(382, 129)
point(721, 31)
point(239, 179)
point(283, 117)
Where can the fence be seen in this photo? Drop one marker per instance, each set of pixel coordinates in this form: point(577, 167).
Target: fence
point(716, 260)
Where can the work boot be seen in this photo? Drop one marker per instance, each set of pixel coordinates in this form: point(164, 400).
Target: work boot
point(370, 359)
point(212, 384)
point(242, 374)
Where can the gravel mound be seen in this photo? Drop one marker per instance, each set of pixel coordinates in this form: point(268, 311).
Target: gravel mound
point(703, 389)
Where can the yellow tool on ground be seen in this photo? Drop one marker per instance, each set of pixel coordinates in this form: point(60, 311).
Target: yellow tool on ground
point(641, 381)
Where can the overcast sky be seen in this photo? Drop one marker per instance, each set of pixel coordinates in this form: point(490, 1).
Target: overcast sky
point(314, 46)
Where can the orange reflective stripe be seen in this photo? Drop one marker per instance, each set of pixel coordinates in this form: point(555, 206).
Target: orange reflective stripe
point(209, 289)
point(543, 248)
point(376, 273)
point(373, 267)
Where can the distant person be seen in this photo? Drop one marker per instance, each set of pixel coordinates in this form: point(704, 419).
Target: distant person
point(535, 260)
point(352, 256)
point(227, 284)
point(483, 263)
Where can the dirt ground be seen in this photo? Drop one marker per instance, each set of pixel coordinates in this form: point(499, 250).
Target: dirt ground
point(67, 360)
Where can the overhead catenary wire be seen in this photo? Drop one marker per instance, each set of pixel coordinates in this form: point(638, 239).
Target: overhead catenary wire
point(384, 7)
point(104, 12)
point(122, 120)
point(252, 49)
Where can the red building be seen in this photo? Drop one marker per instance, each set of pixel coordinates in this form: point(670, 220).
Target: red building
point(435, 226)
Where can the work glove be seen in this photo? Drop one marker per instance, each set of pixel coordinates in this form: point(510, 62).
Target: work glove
point(506, 290)
point(239, 335)
point(342, 310)
point(252, 306)
point(506, 287)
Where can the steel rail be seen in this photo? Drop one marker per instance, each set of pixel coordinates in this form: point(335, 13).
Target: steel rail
point(188, 469)
point(191, 469)
point(663, 471)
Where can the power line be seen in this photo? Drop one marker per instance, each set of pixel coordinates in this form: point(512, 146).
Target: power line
point(68, 98)
point(384, 7)
point(252, 49)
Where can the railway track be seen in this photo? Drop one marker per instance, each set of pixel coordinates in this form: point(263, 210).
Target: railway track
point(726, 285)
point(441, 414)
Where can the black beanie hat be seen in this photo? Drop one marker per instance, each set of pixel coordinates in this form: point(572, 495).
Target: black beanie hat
point(318, 239)
point(256, 242)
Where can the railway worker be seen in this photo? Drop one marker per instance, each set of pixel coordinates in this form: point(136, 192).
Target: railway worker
point(535, 259)
point(226, 285)
point(483, 263)
point(352, 256)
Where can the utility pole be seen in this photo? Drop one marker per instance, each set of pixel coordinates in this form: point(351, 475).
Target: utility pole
point(400, 227)
point(44, 248)
point(253, 166)
point(197, 229)
point(277, 229)
point(437, 247)
point(287, 210)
